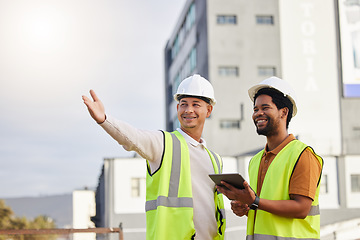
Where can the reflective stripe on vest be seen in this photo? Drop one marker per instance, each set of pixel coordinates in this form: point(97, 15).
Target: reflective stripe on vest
point(270, 226)
point(314, 210)
point(169, 205)
point(172, 200)
point(269, 237)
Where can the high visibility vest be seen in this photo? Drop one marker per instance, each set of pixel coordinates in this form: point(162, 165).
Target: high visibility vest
point(267, 226)
point(169, 201)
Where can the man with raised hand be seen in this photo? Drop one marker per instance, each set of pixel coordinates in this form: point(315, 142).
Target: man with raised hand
point(181, 200)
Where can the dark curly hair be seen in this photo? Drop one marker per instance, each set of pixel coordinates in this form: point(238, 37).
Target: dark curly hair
point(279, 100)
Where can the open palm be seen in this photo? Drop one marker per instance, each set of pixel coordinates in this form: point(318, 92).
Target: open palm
point(95, 107)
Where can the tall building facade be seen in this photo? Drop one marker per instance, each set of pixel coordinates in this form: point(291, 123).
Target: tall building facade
point(236, 44)
point(315, 45)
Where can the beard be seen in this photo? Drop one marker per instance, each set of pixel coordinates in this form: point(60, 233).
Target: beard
point(270, 128)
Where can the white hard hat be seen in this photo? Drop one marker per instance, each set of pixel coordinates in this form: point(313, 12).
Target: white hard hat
point(278, 84)
point(196, 85)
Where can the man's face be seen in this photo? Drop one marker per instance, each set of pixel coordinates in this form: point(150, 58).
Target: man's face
point(266, 116)
point(192, 112)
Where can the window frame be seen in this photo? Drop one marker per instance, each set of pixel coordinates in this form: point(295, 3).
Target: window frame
point(230, 124)
point(264, 19)
point(226, 19)
point(228, 71)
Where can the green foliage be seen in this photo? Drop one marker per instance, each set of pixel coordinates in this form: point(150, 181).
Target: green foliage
point(9, 221)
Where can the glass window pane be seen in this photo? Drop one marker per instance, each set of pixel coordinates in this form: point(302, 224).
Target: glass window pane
point(225, 19)
point(355, 183)
point(135, 187)
point(193, 59)
point(324, 184)
point(176, 123)
point(190, 17)
point(266, 71)
point(176, 84)
point(138, 187)
point(228, 71)
point(230, 124)
point(267, 20)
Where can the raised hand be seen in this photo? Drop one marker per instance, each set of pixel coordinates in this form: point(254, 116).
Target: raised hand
point(95, 107)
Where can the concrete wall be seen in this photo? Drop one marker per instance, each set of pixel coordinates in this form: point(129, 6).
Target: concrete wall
point(247, 46)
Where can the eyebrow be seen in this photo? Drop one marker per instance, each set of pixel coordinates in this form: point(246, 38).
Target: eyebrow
point(183, 100)
point(262, 105)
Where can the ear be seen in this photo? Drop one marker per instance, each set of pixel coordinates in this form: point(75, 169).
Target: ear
point(284, 112)
point(209, 110)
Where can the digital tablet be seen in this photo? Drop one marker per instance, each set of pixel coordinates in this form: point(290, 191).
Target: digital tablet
point(234, 179)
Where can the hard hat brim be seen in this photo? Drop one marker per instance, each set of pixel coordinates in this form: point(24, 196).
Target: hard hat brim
point(211, 100)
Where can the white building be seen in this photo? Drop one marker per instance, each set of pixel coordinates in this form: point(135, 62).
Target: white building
point(121, 193)
point(83, 210)
point(235, 44)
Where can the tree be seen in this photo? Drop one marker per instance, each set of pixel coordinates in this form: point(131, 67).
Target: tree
point(8, 220)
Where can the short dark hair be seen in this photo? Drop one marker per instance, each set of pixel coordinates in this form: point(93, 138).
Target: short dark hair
point(279, 100)
point(205, 99)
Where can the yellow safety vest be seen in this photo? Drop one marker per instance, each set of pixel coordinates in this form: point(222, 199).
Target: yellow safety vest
point(267, 226)
point(169, 202)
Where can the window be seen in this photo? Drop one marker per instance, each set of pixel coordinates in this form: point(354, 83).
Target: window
point(181, 35)
point(184, 29)
point(355, 183)
point(176, 123)
point(192, 59)
point(176, 84)
point(266, 71)
point(265, 20)
point(138, 187)
point(186, 70)
point(230, 124)
point(226, 19)
point(324, 184)
point(229, 71)
point(190, 17)
point(175, 48)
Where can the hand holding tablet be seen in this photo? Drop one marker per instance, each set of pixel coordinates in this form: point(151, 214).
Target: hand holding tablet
point(234, 179)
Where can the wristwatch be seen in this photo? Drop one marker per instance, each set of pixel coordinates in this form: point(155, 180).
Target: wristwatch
point(255, 204)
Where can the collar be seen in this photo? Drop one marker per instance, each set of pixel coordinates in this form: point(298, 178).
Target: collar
point(190, 139)
point(281, 146)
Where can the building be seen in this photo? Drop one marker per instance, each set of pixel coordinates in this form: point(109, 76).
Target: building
point(235, 44)
point(315, 45)
point(120, 198)
point(83, 209)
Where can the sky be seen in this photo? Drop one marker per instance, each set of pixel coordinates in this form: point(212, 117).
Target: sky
point(54, 51)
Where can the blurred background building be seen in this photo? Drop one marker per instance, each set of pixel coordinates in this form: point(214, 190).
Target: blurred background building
point(315, 45)
point(236, 44)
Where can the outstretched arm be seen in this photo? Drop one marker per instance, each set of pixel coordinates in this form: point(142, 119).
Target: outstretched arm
point(148, 144)
point(95, 107)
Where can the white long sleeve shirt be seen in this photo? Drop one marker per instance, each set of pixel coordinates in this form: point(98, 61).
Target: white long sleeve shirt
point(150, 146)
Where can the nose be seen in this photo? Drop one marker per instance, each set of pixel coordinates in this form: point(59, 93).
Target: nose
point(189, 109)
point(258, 113)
